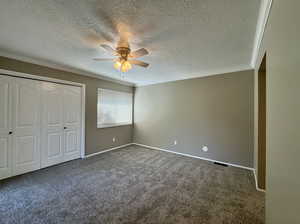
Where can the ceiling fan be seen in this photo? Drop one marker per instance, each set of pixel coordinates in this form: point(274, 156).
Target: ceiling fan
point(125, 57)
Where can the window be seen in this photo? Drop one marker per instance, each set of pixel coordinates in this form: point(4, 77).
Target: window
point(114, 108)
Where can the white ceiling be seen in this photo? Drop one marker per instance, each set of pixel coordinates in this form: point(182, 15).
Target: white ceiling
point(186, 38)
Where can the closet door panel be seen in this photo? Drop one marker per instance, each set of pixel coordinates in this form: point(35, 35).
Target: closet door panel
point(5, 163)
point(71, 141)
point(52, 124)
point(72, 122)
point(5, 84)
point(54, 145)
point(5, 127)
point(26, 125)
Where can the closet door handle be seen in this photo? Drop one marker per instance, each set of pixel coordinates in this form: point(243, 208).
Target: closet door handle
point(65, 127)
point(10, 132)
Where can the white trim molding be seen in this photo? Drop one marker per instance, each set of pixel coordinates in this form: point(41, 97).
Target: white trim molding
point(196, 157)
point(202, 74)
point(107, 150)
point(263, 16)
point(178, 153)
point(83, 93)
point(38, 77)
point(113, 125)
point(206, 159)
point(62, 67)
point(256, 182)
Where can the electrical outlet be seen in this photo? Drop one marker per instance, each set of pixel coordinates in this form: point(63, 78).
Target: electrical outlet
point(114, 139)
point(204, 148)
point(175, 142)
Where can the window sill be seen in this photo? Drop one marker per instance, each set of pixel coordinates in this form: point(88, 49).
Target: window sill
point(112, 125)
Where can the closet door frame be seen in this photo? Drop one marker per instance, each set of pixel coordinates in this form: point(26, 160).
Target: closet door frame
point(6, 131)
point(59, 81)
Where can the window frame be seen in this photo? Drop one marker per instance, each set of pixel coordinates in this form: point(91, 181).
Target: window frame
point(109, 125)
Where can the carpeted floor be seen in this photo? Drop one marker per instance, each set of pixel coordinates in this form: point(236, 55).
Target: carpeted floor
point(133, 185)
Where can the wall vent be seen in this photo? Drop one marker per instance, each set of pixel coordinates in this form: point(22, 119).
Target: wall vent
point(221, 164)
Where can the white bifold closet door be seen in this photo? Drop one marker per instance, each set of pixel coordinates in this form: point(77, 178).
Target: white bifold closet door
point(72, 122)
point(40, 124)
point(53, 123)
point(61, 117)
point(25, 125)
point(19, 126)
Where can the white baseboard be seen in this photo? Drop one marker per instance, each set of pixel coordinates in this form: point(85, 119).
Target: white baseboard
point(107, 150)
point(182, 154)
point(256, 182)
point(196, 157)
point(202, 158)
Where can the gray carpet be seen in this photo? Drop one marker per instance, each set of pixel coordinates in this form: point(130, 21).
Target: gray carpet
point(133, 185)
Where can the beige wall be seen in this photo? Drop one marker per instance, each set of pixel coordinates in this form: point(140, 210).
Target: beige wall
point(216, 111)
point(281, 42)
point(96, 139)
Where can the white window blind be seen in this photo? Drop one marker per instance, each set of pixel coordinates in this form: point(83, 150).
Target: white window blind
point(114, 108)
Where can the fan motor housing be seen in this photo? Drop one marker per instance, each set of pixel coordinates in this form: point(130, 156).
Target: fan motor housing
point(123, 51)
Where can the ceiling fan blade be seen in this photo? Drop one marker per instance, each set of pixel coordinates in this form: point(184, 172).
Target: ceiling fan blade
point(104, 59)
point(138, 53)
point(139, 63)
point(108, 48)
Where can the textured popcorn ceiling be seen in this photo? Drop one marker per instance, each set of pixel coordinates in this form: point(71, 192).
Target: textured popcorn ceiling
point(186, 38)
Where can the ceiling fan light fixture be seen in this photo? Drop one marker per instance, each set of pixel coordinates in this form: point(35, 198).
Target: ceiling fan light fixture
point(126, 66)
point(117, 65)
point(123, 53)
